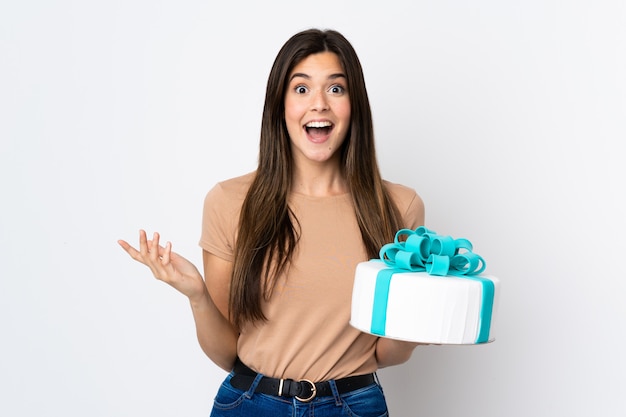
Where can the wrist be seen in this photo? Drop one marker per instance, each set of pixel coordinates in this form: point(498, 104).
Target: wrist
point(200, 301)
point(391, 352)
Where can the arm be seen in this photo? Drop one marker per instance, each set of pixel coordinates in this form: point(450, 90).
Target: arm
point(217, 337)
point(391, 352)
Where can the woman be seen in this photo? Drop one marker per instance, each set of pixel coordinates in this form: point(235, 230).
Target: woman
point(280, 246)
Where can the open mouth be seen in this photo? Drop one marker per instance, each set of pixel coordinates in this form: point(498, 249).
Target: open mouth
point(318, 130)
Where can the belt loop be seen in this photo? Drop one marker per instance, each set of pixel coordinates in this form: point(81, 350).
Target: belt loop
point(252, 388)
point(280, 387)
point(377, 381)
point(335, 391)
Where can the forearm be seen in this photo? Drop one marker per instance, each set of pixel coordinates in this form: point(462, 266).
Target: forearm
point(391, 352)
point(216, 335)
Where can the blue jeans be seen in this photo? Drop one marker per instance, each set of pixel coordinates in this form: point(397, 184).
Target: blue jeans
point(364, 402)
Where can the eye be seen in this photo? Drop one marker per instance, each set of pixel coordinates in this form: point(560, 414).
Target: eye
point(301, 89)
point(337, 89)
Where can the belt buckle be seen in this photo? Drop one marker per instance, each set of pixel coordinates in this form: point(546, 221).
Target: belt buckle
point(313, 392)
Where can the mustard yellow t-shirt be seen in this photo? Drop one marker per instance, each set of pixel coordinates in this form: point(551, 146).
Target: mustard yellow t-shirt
point(307, 334)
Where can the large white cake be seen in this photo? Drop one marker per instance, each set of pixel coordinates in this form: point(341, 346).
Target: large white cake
point(424, 307)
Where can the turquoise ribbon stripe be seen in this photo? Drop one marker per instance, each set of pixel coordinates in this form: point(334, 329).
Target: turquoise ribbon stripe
point(425, 251)
point(381, 297)
point(486, 308)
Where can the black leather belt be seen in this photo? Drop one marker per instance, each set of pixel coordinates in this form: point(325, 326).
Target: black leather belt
point(303, 390)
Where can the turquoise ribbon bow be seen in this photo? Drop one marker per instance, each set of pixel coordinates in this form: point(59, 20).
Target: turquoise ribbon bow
point(423, 250)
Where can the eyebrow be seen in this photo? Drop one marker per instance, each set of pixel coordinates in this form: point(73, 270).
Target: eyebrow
point(308, 77)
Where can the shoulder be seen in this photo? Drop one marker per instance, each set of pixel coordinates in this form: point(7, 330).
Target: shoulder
point(233, 189)
point(400, 194)
point(220, 215)
point(237, 186)
point(409, 203)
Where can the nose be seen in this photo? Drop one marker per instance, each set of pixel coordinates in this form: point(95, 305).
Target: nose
point(319, 101)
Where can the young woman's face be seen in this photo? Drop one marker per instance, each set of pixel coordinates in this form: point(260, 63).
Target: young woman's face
point(317, 108)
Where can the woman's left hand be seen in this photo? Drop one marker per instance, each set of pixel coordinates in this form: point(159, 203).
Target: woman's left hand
point(391, 352)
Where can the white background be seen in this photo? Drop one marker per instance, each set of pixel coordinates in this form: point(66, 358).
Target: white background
point(505, 116)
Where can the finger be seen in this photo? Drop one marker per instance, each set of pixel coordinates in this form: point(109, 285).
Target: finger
point(162, 268)
point(154, 247)
point(160, 249)
point(129, 249)
point(165, 254)
point(125, 245)
point(143, 243)
point(147, 254)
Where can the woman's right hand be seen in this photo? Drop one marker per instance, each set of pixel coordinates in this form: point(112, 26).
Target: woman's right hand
point(217, 337)
point(167, 266)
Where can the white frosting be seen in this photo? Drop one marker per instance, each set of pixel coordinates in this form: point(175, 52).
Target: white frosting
point(421, 307)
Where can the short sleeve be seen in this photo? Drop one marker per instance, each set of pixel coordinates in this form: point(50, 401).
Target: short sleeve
point(414, 215)
point(220, 216)
point(409, 204)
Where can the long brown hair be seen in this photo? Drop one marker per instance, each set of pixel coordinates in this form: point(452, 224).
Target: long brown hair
point(268, 230)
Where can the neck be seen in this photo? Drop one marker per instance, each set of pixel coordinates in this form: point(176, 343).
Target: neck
point(319, 181)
